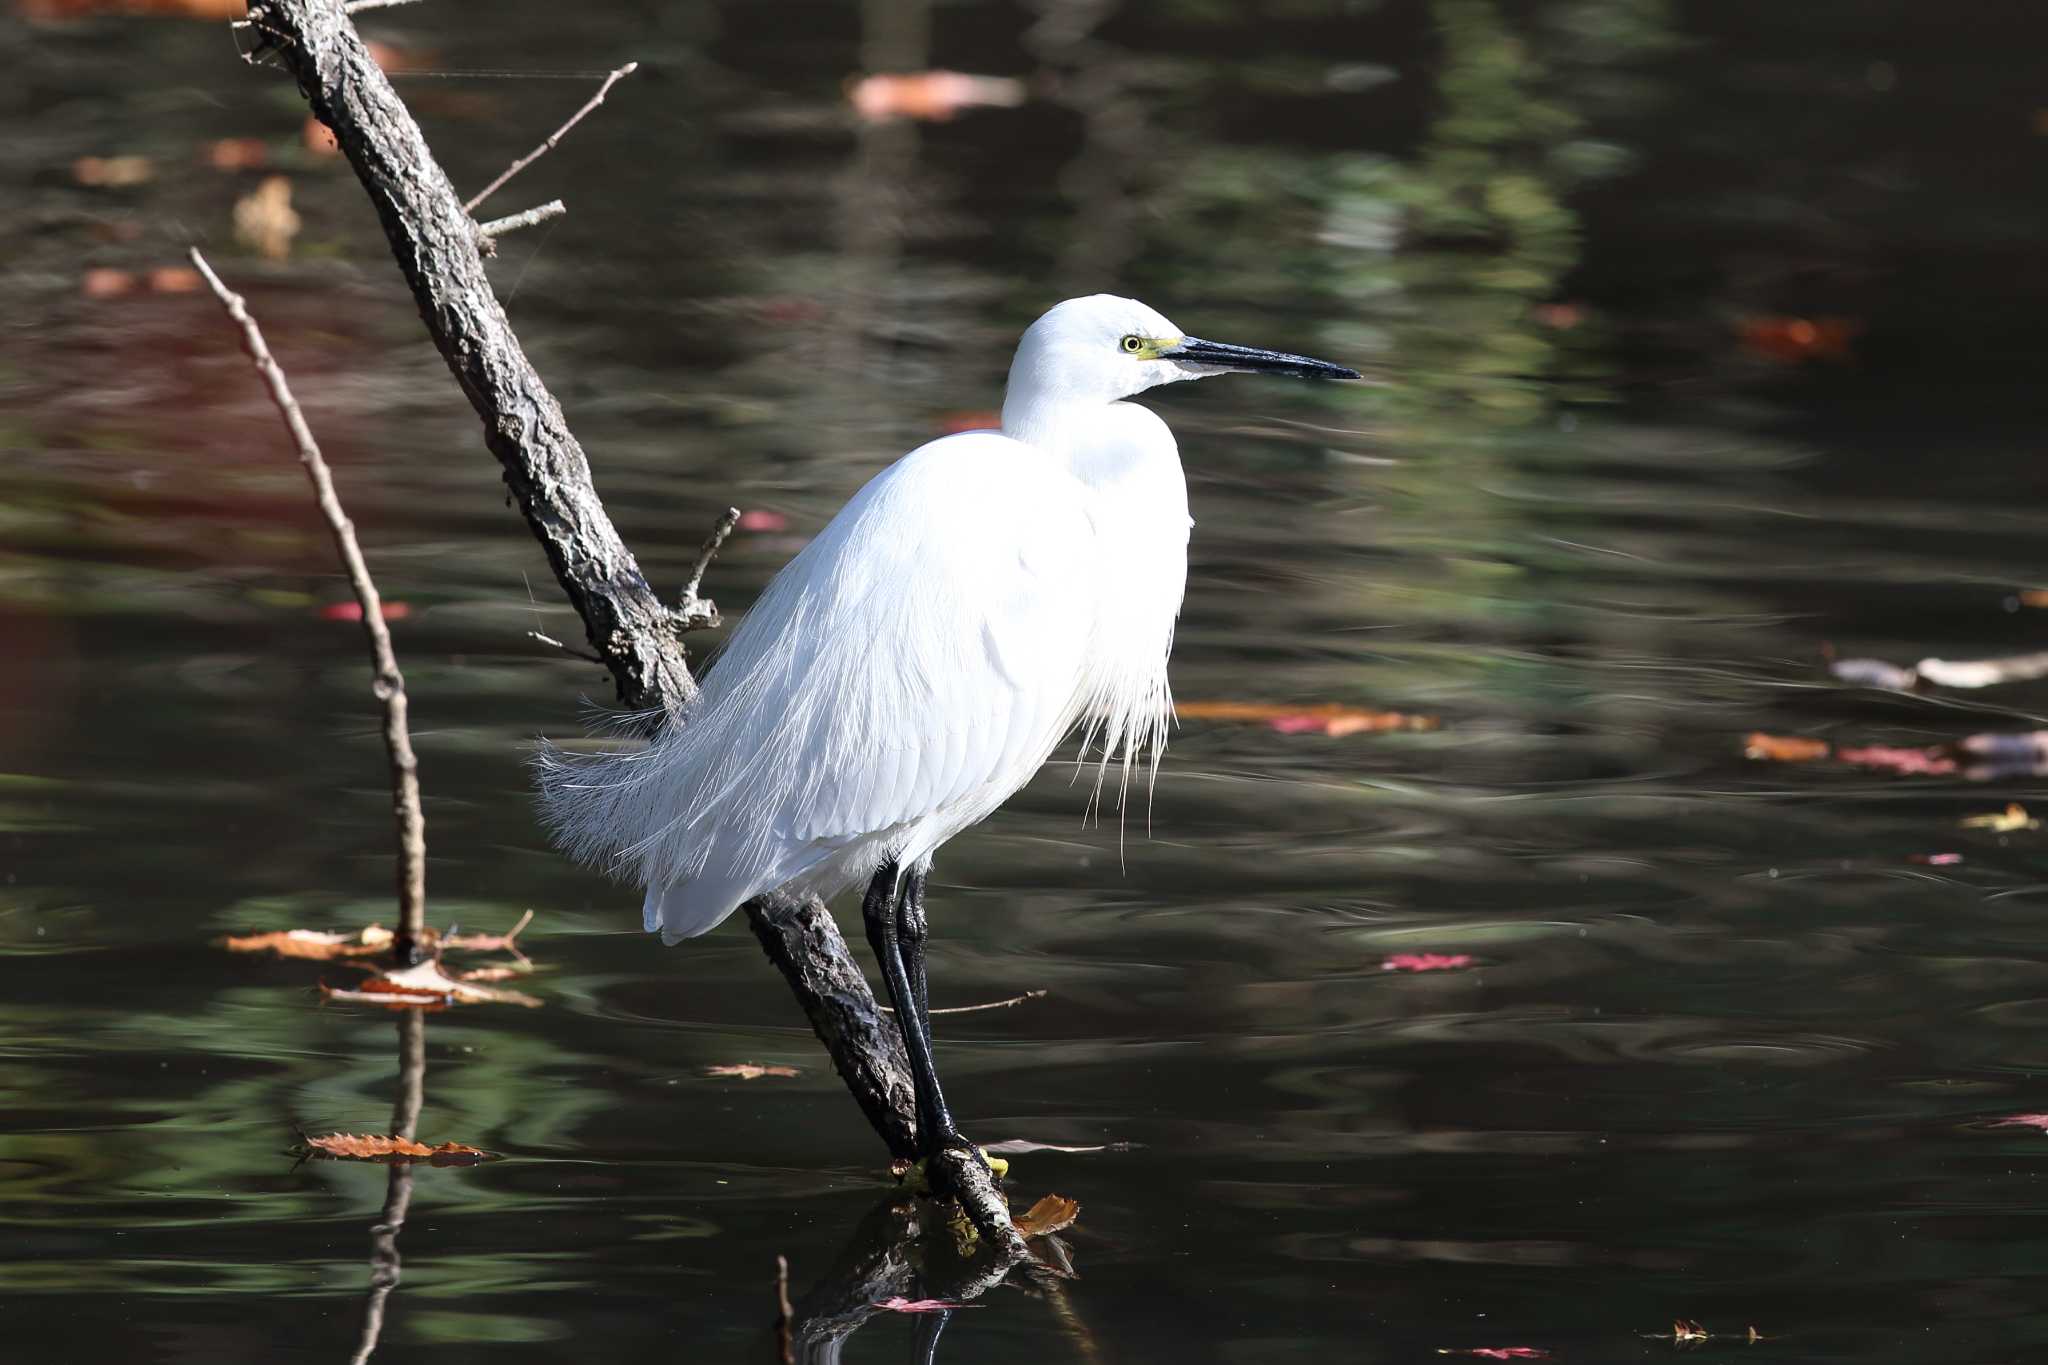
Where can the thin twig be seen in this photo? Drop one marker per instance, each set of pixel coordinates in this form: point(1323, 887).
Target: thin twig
point(991, 1005)
point(566, 649)
point(358, 6)
point(389, 684)
point(498, 227)
point(469, 205)
point(701, 613)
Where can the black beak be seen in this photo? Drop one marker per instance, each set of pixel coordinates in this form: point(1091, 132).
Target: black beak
point(1251, 359)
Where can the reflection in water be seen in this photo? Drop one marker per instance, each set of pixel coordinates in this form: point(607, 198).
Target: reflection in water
point(405, 1119)
point(1728, 1038)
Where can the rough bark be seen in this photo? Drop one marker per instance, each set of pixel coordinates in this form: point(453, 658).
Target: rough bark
point(439, 250)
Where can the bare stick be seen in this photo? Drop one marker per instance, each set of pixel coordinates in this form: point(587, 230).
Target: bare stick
point(498, 227)
point(701, 613)
point(469, 205)
point(358, 6)
point(990, 1005)
point(389, 684)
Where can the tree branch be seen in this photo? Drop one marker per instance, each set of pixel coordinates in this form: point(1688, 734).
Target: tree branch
point(498, 227)
point(469, 206)
point(437, 248)
point(389, 684)
point(697, 612)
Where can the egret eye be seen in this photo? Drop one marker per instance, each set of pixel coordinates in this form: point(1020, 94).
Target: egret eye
point(1133, 344)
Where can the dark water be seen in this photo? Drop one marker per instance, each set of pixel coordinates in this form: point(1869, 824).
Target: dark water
point(1727, 1051)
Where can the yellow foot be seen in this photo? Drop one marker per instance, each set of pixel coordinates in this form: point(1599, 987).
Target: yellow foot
point(915, 1179)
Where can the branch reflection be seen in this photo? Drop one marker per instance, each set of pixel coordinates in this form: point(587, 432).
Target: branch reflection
point(405, 1118)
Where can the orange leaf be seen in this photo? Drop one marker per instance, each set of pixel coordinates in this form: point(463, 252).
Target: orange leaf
point(105, 282)
point(1051, 1214)
point(1783, 748)
point(237, 153)
point(2034, 597)
point(750, 1071)
point(1328, 718)
point(932, 96)
point(1789, 341)
point(370, 1147)
point(311, 943)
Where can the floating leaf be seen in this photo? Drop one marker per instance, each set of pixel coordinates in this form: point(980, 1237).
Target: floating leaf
point(899, 1304)
point(370, 1147)
point(1929, 762)
point(426, 984)
point(265, 221)
point(1791, 341)
point(1495, 1352)
point(1328, 718)
point(750, 1071)
point(2034, 597)
point(353, 611)
point(1935, 859)
point(2010, 820)
point(760, 519)
point(1984, 672)
point(1426, 962)
point(1875, 673)
point(931, 96)
point(112, 172)
point(2039, 1121)
point(1053, 1213)
point(236, 153)
point(1783, 748)
point(311, 943)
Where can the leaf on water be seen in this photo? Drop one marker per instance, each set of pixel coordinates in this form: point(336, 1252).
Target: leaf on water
point(1793, 341)
point(236, 153)
point(1325, 718)
point(311, 943)
point(1935, 859)
point(750, 1071)
point(760, 519)
point(2034, 597)
point(318, 138)
point(1929, 762)
point(113, 172)
point(930, 96)
point(2013, 818)
point(899, 1304)
point(427, 984)
point(1685, 1330)
point(1495, 1352)
point(371, 1147)
point(500, 973)
point(1783, 748)
point(265, 221)
point(1984, 672)
point(1021, 1146)
point(1875, 673)
point(2039, 1121)
point(353, 611)
point(1053, 1213)
point(1426, 962)
point(506, 942)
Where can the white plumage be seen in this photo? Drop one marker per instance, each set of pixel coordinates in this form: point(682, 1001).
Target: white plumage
point(924, 655)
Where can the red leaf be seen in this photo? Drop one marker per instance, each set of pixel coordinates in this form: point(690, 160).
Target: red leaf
point(757, 519)
point(899, 1304)
point(1935, 859)
point(1907, 762)
point(2039, 1121)
point(1495, 1352)
point(353, 611)
point(1425, 962)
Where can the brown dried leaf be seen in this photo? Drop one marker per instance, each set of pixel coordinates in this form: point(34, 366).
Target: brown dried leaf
point(311, 943)
point(1053, 1213)
point(502, 973)
point(371, 1147)
point(426, 985)
point(265, 220)
point(1783, 748)
point(750, 1071)
point(112, 172)
point(1325, 718)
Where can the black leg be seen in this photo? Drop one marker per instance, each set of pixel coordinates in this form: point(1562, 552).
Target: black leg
point(934, 1124)
point(911, 934)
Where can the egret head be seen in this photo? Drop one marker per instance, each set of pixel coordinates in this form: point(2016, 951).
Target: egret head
point(1102, 348)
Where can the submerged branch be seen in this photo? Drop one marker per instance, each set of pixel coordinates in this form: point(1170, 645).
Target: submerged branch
point(390, 683)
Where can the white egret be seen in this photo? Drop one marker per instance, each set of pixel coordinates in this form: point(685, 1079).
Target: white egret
point(974, 603)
